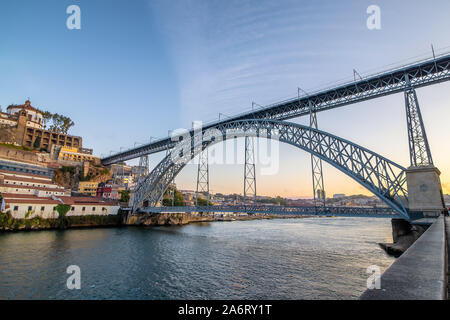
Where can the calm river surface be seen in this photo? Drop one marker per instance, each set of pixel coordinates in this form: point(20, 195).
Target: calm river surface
point(261, 259)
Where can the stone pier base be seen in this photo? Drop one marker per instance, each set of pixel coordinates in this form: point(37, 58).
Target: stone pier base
point(425, 191)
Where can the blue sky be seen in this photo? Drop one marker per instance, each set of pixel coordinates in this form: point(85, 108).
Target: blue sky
point(139, 68)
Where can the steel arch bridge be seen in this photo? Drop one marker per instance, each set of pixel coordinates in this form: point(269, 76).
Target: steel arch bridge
point(378, 174)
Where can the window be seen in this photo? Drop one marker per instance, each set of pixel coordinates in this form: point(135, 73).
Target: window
point(83, 209)
point(54, 208)
point(42, 208)
point(30, 208)
point(73, 209)
point(16, 208)
point(93, 208)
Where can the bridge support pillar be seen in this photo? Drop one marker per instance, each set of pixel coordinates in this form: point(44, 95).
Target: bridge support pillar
point(202, 177)
point(425, 190)
point(249, 170)
point(143, 168)
point(316, 165)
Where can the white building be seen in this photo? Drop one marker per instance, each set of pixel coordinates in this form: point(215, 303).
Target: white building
point(29, 184)
point(23, 206)
point(29, 195)
point(34, 116)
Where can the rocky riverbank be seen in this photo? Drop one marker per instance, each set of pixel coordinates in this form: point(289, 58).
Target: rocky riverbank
point(168, 219)
point(404, 235)
point(38, 223)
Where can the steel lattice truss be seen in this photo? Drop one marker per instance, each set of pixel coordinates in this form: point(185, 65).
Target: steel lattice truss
point(249, 170)
point(419, 150)
point(143, 168)
point(202, 176)
point(381, 176)
point(390, 82)
point(322, 211)
point(316, 167)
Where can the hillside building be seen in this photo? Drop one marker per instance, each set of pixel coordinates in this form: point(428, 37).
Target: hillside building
point(23, 124)
point(30, 195)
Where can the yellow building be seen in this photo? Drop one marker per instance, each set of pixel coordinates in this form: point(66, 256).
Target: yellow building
point(88, 187)
point(72, 154)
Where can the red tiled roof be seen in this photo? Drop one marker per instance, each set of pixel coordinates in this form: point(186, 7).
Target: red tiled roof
point(18, 195)
point(31, 187)
point(15, 173)
point(86, 200)
point(15, 178)
point(32, 199)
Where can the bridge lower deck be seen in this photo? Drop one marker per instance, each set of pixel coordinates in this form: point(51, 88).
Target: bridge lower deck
point(281, 210)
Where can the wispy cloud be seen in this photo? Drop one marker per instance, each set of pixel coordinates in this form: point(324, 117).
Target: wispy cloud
point(227, 54)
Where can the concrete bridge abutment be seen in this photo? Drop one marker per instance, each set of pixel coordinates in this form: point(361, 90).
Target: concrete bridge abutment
point(425, 191)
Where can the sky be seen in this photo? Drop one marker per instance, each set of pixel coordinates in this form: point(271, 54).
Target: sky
point(137, 69)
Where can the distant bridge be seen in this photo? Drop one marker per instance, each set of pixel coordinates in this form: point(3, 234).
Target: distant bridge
point(283, 210)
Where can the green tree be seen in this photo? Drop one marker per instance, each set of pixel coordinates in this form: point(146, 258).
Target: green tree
point(46, 117)
point(203, 202)
point(1, 201)
point(178, 199)
point(29, 212)
point(56, 123)
point(125, 196)
point(66, 124)
point(37, 143)
point(62, 210)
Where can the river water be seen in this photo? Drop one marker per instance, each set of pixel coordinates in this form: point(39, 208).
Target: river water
point(313, 258)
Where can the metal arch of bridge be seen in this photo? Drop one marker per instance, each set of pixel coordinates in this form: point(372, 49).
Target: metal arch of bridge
point(379, 175)
point(393, 81)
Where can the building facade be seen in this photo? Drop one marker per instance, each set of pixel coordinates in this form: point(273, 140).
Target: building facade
point(88, 187)
point(27, 196)
point(74, 154)
point(26, 124)
point(22, 207)
point(29, 184)
point(108, 191)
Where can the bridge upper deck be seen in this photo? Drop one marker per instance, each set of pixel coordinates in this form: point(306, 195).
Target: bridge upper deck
point(419, 74)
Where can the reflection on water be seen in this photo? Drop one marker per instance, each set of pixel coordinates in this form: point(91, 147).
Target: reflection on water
point(262, 259)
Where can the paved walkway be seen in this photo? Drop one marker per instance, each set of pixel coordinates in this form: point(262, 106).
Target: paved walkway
point(420, 273)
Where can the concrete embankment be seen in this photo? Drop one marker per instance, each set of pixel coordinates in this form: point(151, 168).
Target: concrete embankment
point(447, 231)
point(420, 273)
